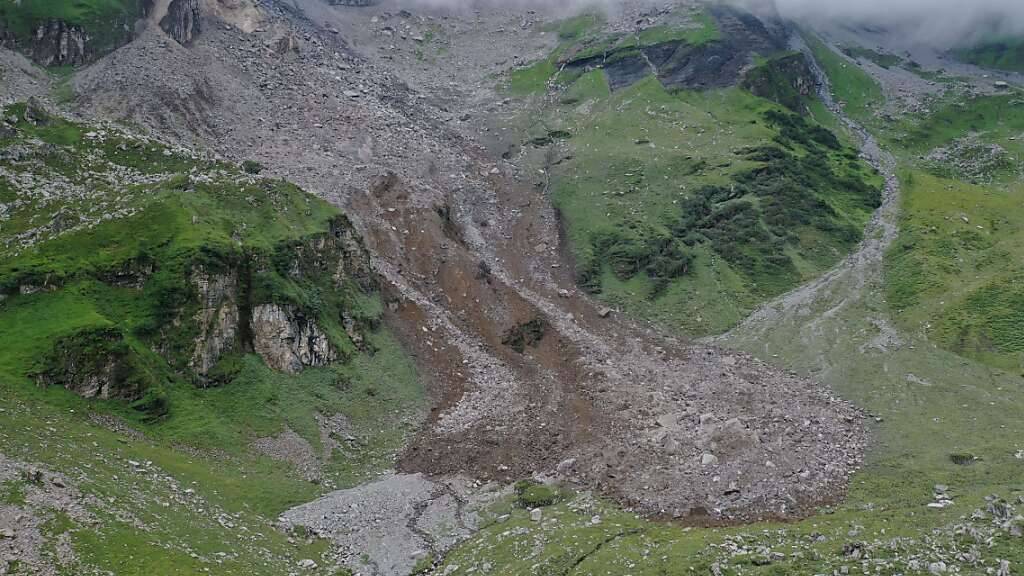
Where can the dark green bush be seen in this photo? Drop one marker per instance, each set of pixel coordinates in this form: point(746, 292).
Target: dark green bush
point(252, 167)
point(531, 494)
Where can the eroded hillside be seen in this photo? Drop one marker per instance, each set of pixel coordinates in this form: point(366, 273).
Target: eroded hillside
point(540, 207)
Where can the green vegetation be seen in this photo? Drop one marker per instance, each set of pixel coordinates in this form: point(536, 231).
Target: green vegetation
point(531, 494)
point(1001, 54)
point(12, 492)
point(998, 118)
point(855, 88)
point(532, 79)
point(955, 272)
point(670, 214)
point(703, 30)
point(106, 22)
point(98, 278)
point(784, 79)
point(578, 27)
point(673, 218)
point(169, 229)
point(883, 59)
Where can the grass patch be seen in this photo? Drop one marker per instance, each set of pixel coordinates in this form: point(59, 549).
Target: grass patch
point(1001, 54)
point(703, 30)
point(998, 118)
point(860, 95)
point(531, 494)
point(954, 272)
point(12, 492)
point(883, 59)
point(532, 79)
point(673, 219)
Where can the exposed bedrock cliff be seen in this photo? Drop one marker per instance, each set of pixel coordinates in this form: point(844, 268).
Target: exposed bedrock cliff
point(217, 318)
point(55, 43)
point(182, 21)
point(240, 306)
point(679, 64)
point(288, 340)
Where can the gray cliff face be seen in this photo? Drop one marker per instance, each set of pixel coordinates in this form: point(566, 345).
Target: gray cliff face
point(58, 43)
point(217, 318)
point(229, 318)
point(55, 43)
point(182, 20)
point(288, 340)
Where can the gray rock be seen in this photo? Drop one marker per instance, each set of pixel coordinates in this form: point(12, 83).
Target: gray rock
point(287, 340)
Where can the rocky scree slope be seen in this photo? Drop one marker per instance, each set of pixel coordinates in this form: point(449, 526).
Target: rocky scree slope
point(129, 265)
point(672, 428)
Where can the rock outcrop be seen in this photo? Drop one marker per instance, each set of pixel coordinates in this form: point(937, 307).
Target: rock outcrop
point(95, 363)
point(56, 43)
point(232, 317)
point(182, 20)
point(217, 318)
point(679, 64)
point(288, 340)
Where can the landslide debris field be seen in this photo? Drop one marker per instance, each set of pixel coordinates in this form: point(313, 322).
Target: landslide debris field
point(319, 288)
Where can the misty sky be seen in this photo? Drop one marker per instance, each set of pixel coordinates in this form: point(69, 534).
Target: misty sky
point(942, 23)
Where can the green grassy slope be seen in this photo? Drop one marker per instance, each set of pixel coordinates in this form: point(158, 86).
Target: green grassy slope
point(691, 208)
point(859, 93)
point(97, 241)
point(1003, 54)
point(955, 273)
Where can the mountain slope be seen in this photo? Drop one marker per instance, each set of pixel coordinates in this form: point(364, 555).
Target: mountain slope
point(240, 345)
point(181, 296)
